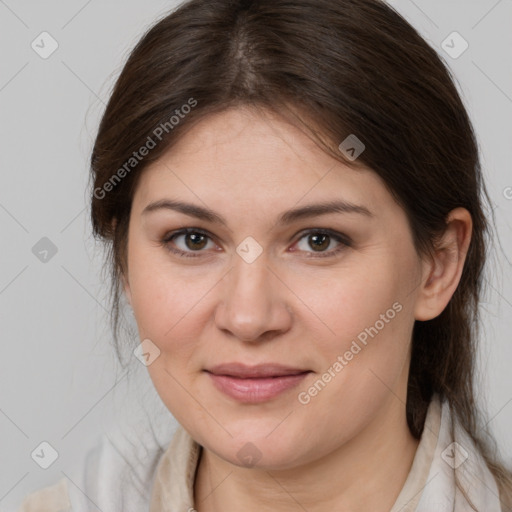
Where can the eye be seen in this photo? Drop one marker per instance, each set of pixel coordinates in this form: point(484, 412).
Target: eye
point(320, 240)
point(193, 240)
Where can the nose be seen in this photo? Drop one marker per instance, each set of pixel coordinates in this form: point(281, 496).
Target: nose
point(253, 306)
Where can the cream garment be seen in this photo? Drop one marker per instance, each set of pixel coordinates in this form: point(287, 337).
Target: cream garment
point(135, 479)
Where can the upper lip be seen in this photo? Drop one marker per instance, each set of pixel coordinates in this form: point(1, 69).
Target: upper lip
point(241, 370)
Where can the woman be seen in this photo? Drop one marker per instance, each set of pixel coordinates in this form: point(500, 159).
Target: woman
point(294, 203)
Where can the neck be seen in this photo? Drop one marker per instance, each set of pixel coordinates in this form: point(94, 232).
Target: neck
point(366, 473)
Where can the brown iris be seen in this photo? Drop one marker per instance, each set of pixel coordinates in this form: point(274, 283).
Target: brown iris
point(198, 240)
point(324, 241)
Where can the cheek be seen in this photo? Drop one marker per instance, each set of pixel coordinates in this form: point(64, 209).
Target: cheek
point(345, 303)
point(169, 309)
point(365, 358)
point(161, 303)
point(363, 317)
point(169, 302)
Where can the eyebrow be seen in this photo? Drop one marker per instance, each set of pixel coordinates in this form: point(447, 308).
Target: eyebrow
point(311, 210)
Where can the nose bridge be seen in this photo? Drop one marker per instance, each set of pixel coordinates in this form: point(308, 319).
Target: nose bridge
point(252, 303)
point(250, 280)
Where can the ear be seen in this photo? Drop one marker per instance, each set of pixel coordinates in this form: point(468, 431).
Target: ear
point(441, 276)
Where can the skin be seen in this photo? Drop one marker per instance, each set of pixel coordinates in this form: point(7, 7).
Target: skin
point(349, 448)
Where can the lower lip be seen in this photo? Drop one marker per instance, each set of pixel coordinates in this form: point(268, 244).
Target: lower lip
point(255, 390)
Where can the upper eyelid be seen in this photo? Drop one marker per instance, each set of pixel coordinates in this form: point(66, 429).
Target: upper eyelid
point(184, 231)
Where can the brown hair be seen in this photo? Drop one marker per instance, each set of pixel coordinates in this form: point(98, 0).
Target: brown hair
point(334, 68)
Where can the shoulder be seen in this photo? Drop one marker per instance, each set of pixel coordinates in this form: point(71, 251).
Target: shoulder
point(115, 474)
point(53, 498)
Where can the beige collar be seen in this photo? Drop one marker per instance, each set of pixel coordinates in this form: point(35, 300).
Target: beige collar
point(173, 487)
point(431, 480)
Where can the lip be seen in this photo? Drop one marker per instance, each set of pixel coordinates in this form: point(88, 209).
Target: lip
point(255, 384)
point(244, 371)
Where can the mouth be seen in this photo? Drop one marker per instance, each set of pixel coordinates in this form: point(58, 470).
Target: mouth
point(255, 384)
point(242, 371)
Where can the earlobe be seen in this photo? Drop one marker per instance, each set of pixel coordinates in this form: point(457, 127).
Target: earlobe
point(442, 275)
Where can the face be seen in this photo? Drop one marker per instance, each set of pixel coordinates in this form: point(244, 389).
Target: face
point(279, 338)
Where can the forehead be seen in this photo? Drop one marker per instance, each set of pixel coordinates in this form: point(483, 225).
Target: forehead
point(240, 156)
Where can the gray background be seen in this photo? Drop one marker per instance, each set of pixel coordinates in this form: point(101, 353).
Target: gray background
point(59, 378)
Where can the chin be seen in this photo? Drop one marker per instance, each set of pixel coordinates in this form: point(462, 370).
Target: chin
point(255, 448)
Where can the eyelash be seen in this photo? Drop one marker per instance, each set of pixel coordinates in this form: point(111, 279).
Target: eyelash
point(344, 241)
